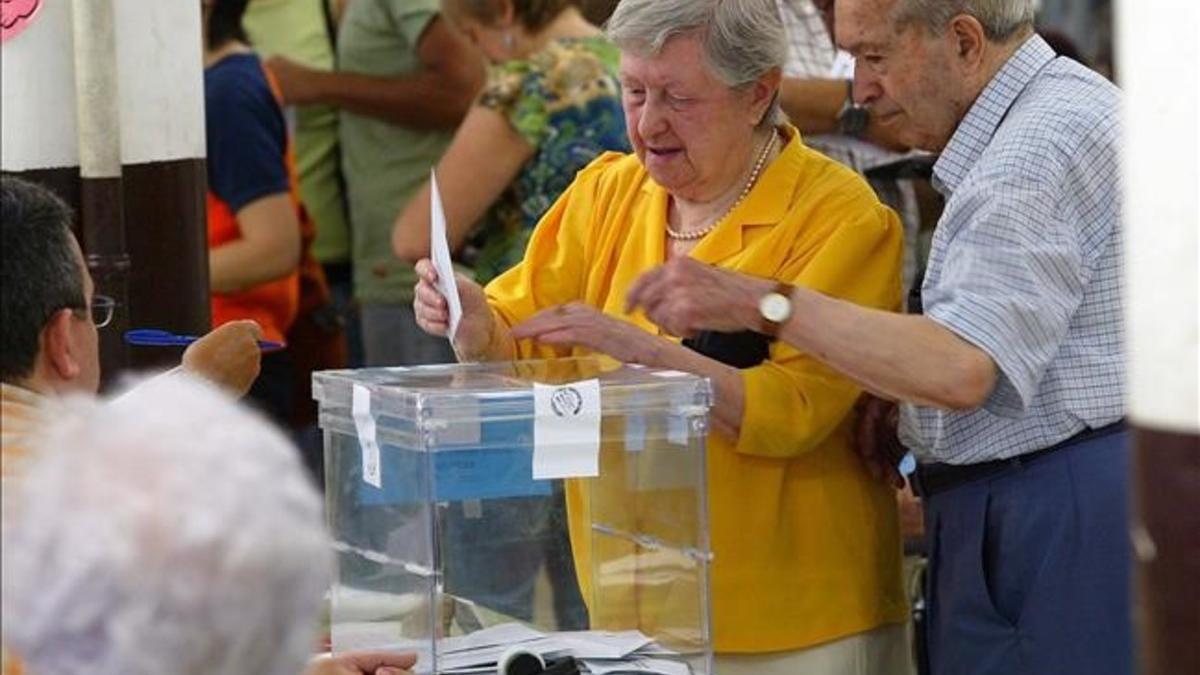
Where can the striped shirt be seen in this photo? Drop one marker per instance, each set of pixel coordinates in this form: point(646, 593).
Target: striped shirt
point(1026, 260)
point(810, 47)
point(23, 414)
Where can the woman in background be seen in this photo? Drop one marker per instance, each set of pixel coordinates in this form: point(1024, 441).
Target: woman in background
point(260, 265)
point(551, 105)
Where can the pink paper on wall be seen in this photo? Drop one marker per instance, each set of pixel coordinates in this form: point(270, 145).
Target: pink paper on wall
point(16, 15)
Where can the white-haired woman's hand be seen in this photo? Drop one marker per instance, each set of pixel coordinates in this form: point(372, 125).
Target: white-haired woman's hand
point(579, 325)
point(433, 312)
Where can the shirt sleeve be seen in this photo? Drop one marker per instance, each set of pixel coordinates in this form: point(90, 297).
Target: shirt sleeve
point(246, 143)
point(1013, 276)
point(793, 402)
point(410, 18)
point(515, 90)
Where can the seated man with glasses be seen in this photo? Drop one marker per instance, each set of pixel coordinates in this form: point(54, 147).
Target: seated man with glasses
point(50, 320)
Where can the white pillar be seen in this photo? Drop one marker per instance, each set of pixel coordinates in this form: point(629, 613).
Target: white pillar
point(1157, 69)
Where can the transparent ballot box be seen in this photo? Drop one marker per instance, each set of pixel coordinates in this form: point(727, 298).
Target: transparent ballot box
point(557, 506)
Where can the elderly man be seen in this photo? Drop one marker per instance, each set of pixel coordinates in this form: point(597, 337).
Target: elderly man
point(1011, 381)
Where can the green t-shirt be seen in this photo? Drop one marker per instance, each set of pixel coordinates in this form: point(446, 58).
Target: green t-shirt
point(296, 29)
point(384, 164)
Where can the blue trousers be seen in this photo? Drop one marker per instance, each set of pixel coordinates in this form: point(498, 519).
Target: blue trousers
point(1030, 570)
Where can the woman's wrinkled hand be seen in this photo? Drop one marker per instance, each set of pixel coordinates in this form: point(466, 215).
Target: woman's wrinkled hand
point(685, 296)
point(433, 312)
point(579, 325)
point(229, 356)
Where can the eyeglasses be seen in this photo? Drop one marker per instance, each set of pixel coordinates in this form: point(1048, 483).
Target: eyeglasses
point(102, 310)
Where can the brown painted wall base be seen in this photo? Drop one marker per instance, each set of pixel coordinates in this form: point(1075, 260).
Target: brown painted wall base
point(1167, 474)
point(165, 236)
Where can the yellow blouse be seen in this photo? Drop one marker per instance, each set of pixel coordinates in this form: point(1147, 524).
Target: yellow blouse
point(806, 544)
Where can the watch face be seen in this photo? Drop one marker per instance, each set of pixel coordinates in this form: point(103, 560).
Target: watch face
point(775, 307)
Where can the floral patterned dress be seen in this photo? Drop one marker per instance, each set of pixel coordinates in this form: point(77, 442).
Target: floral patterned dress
point(565, 101)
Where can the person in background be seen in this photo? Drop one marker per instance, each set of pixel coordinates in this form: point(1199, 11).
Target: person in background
point(806, 568)
point(254, 235)
point(167, 531)
point(259, 234)
point(816, 95)
point(405, 80)
point(1010, 383)
point(305, 31)
point(550, 106)
point(49, 332)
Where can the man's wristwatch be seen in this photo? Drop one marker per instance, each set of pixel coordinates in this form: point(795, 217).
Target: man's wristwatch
point(774, 309)
point(853, 118)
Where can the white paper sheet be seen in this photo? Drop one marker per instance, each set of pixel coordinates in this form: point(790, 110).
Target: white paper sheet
point(364, 424)
point(566, 430)
point(439, 253)
point(637, 665)
point(503, 635)
point(480, 651)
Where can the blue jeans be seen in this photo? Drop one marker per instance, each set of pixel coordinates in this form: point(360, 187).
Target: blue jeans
point(1030, 570)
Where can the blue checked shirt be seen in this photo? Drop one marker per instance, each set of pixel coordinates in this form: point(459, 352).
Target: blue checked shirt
point(1026, 261)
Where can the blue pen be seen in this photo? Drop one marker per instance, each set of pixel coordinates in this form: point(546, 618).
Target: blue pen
point(152, 337)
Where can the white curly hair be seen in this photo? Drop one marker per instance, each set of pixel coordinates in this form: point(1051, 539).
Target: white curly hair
point(167, 531)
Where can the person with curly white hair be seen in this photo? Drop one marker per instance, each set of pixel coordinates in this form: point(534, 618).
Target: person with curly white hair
point(167, 531)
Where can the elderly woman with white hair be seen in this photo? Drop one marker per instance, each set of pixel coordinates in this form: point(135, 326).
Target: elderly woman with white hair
point(806, 574)
point(167, 531)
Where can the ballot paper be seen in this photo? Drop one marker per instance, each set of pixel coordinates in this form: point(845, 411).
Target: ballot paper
point(439, 253)
point(598, 652)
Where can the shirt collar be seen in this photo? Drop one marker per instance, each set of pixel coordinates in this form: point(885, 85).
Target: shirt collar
point(13, 394)
point(977, 128)
point(766, 204)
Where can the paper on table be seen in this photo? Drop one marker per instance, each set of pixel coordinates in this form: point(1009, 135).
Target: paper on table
point(593, 644)
point(504, 634)
point(468, 653)
point(439, 253)
point(637, 665)
point(566, 430)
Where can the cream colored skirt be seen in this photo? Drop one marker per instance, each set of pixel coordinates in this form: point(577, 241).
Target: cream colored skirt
point(882, 651)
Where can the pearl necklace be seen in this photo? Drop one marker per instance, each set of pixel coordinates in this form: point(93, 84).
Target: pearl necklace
point(758, 166)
